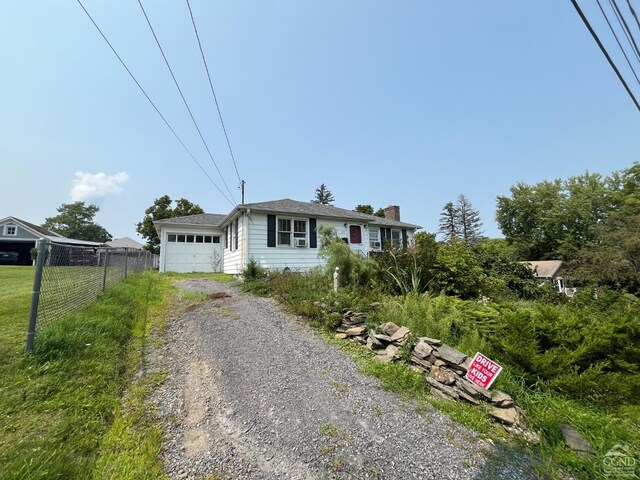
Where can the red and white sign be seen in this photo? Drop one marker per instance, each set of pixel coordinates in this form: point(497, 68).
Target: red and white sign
point(483, 371)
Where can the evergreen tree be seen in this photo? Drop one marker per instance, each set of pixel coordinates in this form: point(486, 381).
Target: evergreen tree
point(469, 223)
point(461, 221)
point(449, 222)
point(323, 195)
point(379, 212)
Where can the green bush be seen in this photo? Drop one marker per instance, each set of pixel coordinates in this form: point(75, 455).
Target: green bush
point(254, 271)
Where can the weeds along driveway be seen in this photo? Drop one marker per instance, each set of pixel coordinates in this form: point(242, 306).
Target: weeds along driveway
point(254, 393)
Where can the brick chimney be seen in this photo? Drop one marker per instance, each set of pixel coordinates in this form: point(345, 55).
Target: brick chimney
point(392, 212)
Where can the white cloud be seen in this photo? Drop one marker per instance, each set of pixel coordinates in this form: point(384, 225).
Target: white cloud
point(96, 185)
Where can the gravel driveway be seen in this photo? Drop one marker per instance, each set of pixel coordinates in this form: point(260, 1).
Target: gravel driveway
point(254, 393)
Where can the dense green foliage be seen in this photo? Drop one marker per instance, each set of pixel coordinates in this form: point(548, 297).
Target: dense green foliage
point(75, 220)
point(160, 210)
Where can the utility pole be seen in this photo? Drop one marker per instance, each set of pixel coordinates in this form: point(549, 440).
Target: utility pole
point(242, 189)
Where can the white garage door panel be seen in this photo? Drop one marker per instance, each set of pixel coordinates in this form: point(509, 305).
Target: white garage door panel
point(186, 257)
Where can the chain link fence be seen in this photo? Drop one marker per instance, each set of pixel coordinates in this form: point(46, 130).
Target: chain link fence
point(69, 278)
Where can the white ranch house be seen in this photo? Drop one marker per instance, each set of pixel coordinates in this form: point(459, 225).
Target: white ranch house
point(277, 234)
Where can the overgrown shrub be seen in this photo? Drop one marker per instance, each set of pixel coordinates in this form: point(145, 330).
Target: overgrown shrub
point(254, 271)
point(354, 269)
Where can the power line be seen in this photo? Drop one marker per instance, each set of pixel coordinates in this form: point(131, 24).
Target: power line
point(625, 28)
point(633, 12)
point(604, 52)
point(175, 81)
point(206, 67)
point(618, 41)
point(151, 101)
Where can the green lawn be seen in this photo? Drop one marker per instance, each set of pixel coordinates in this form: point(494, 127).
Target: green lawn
point(61, 409)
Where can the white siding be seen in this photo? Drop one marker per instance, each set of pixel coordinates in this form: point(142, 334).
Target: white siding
point(234, 260)
point(295, 258)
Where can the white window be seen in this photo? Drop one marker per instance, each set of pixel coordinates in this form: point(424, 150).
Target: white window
point(11, 230)
point(289, 229)
point(374, 238)
point(396, 238)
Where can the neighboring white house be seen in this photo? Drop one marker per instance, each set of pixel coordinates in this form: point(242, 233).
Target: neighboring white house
point(278, 234)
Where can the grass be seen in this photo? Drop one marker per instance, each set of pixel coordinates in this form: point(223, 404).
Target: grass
point(71, 410)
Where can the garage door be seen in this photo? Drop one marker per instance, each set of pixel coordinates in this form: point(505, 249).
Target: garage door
point(186, 252)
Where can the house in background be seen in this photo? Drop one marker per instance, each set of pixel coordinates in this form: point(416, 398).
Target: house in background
point(18, 237)
point(124, 242)
point(550, 271)
point(278, 234)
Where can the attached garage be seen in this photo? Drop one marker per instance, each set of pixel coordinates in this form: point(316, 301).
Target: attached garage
point(191, 244)
point(192, 252)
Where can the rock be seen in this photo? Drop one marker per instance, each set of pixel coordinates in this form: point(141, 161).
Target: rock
point(400, 335)
point(431, 341)
point(389, 354)
point(341, 336)
point(465, 365)
point(439, 363)
point(576, 442)
point(450, 392)
point(422, 362)
point(355, 331)
point(440, 395)
point(375, 306)
point(449, 354)
point(388, 328)
point(468, 398)
point(501, 399)
point(442, 375)
point(472, 389)
point(361, 339)
point(373, 342)
point(422, 349)
point(508, 416)
point(382, 337)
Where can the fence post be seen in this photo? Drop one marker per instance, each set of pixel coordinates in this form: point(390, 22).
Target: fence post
point(336, 279)
point(126, 261)
point(35, 298)
point(104, 274)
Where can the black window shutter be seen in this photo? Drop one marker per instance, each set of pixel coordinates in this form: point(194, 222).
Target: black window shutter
point(313, 235)
point(405, 242)
point(271, 230)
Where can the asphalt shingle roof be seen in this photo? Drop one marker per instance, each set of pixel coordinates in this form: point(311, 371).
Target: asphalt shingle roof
point(545, 268)
point(287, 205)
point(213, 219)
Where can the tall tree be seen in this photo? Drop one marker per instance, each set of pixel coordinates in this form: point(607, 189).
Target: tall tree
point(160, 210)
point(323, 195)
point(368, 209)
point(379, 212)
point(555, 219)
point(469, 223)
point(449, 222)
point(75, 220)
point(461, 221)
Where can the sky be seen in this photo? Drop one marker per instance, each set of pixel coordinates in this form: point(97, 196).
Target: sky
point(409, 103)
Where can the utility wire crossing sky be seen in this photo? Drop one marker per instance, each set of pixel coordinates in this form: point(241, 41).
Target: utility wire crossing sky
point(410, 103)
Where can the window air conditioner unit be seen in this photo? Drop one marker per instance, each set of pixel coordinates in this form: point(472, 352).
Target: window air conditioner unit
point(375, 244)
point(299, 242)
